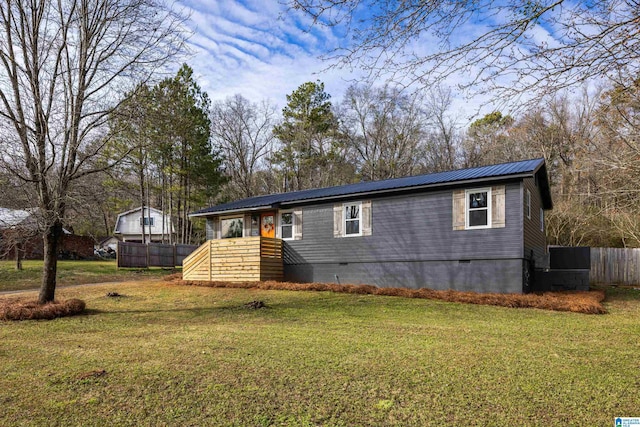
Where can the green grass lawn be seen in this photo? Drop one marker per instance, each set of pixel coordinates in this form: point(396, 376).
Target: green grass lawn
point(196, 356)
point(70, 273)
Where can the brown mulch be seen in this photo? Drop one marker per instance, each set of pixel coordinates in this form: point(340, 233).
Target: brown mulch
point(574, 301)
point(22, 309)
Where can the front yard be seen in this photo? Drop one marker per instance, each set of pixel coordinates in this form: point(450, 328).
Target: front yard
point(169, 355)
point(69, 273)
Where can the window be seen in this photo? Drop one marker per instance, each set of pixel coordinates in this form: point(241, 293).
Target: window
point(286, 225)
point(231, 227)
point(478, 208)
point(146, 221)
point(352, 219)
point(255, 225)
point(541, 219)
point(527, 202)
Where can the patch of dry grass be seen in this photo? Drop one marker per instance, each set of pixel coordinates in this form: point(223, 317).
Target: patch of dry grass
point(22, 309)
point(574, 301)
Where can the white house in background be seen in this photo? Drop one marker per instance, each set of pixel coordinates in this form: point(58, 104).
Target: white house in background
point(129, 225)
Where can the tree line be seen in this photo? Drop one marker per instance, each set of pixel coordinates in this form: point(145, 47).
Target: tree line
point(186, 152)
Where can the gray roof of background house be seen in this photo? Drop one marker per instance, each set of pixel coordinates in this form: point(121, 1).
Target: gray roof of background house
point(518, 169)
point(12, 217)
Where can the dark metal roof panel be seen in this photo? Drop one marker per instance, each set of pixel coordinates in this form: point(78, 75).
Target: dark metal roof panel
point(493, 171)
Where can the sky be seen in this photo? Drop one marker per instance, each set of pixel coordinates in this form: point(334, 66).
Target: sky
point(256, 49)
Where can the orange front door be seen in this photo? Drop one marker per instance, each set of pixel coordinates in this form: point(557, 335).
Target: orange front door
point(268, 224)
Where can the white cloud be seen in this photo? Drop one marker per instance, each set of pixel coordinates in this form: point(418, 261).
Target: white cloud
point(255, 49)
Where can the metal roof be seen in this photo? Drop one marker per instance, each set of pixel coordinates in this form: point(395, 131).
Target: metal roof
point(12, 217)
point(485, 173)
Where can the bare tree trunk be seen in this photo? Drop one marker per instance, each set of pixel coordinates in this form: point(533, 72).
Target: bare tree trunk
point(107, 230)
point(162, 203)
point(142, 204)
point(172, 240)
point(148, 208)
point(51, 238)
point(18, 252)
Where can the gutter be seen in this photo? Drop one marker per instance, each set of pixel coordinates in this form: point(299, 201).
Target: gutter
point(230, 211)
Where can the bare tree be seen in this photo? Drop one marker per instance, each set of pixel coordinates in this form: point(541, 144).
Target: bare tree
point(505, 48)
point(443, 141)
point(243, 130)
point(618, 158)
point(385, 129)
point(63, 63)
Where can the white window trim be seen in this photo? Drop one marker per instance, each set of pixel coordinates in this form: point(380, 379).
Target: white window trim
point(344, 219)
point(149, 219)
point(466, 208)
point(528, 203)
point(231, 217)
point(293, 224)
point(542, 220)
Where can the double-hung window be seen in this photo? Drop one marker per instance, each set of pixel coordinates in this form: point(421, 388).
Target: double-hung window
point(353, 219)
point(146, 221)
point(286, 225)
point(478, 208)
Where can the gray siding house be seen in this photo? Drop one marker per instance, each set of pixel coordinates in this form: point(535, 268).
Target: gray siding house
point(478, 229)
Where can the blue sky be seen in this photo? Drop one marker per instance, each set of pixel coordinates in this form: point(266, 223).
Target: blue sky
point(254, 48)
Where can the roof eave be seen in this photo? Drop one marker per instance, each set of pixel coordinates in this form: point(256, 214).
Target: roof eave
point(368, 193)
point(230, 211)
point(410, 189)
point(547, 201)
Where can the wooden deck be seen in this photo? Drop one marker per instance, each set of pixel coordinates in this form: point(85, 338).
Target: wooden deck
point(243, 259)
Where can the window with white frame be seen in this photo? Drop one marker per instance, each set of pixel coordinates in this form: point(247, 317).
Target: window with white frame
point(478, 208)
point(352, 219)
point(527, 202)
point(286, 225)
point(231, 227)
point(146, 221)
point(541, 219)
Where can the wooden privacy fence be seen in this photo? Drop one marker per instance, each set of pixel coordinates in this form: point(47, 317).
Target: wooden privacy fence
point(141, 255)
point(235, 260)
point(615, 266)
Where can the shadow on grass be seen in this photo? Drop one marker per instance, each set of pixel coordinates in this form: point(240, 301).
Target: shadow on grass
point(620, 293)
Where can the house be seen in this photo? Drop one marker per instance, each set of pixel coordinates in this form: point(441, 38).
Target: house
point(19, 230)
point(479, 229)
point(157, 226)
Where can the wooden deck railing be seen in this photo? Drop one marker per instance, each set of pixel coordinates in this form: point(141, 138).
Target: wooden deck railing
point(235, 260)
